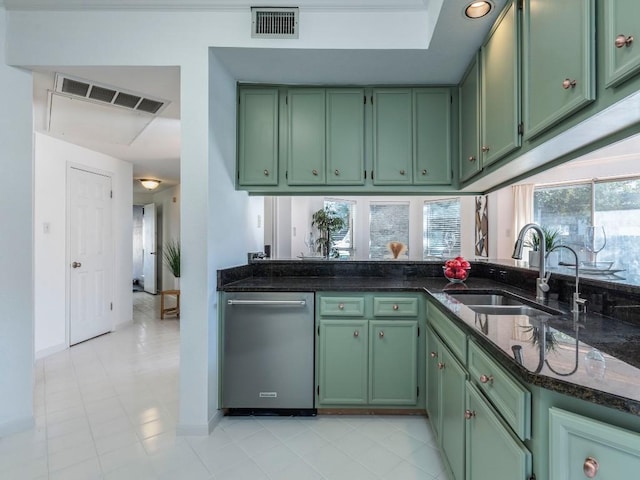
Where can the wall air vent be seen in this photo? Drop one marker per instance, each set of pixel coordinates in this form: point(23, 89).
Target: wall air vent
point(108, 94)
point(274, 22)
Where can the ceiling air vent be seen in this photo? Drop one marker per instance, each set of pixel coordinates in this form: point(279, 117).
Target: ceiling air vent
point(106, 94)
point(272, 22)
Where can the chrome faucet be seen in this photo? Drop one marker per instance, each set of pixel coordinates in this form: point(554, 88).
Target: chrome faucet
point(578, 304)
point(542, 287)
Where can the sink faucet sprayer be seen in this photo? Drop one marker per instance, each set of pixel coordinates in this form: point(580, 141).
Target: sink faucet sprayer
point(542, 287)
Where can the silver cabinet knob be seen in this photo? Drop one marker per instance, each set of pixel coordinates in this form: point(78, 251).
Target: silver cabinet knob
point(76, 264)
point(469, 414)
point(341, 306)
point(402, 172)
point(440, 365)
point(315, 172)
point(568, 83)
point(356, 333)
point(472, 158)
point(590, 467)
point(623, 41)
point(433, 355)
point(336, 172)
point(381, 334)
point(424, 171)
point(266, 172)
point(395, 306)
point(486, 379)
point(485, 148)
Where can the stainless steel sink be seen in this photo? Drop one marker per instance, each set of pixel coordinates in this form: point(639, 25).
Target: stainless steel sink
point(508, 310)
point(502, 303)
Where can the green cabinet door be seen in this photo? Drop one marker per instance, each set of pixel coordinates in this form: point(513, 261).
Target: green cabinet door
point(432, 136)
point(306, 136)
point(470, 160)
point(579, 445)
point(621, 40)
point(342, 356)
point(345, 136)
point(258, 137)
point(433, 397)
point(559, 61)
point(393, 362)
point(491, 450)
point(452, 409)
point(501, 88)
point(392, 136)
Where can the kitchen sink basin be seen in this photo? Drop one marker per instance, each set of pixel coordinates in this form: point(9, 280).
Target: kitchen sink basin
point(501, 303)
point(508, 310)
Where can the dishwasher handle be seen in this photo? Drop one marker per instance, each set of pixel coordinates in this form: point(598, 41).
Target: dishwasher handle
point(295, 303)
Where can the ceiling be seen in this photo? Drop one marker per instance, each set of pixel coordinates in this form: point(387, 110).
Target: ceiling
point(156, 151)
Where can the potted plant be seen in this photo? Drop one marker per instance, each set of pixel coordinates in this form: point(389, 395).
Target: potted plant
point(171, 258)
point(552, 240)
point(327, 222)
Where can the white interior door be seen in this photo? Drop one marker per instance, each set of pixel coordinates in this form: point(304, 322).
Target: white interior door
point(149, 245)
point(91, 255)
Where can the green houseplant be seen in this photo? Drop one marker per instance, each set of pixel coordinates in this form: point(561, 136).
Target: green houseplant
point(328, 222)
point(171, 257)
point(552, 240)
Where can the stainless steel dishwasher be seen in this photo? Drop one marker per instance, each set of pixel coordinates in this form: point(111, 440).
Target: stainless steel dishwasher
point(268, 353)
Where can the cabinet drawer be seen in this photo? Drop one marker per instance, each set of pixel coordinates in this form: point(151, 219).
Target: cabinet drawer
point(452, 335)
point(510, 398)
point(578, 443)
point(342, 306)
point(395, 307)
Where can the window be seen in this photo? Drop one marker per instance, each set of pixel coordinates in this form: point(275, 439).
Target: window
point(343, 240)
point(441, 228)
point(611, 204)
point(388, 222)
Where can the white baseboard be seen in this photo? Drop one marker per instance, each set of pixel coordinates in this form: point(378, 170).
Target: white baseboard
point(15, 426)
point(200, 430)
point(50, 350)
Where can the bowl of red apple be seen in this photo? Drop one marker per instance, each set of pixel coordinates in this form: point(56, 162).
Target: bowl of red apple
point(456, 270)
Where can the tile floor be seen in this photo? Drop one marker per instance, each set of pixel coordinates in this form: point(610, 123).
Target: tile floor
point(107, 409)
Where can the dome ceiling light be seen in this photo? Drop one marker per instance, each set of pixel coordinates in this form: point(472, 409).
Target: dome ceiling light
point(149, 184)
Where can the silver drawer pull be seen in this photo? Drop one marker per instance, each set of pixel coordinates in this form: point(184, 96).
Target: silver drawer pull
point(440, 365)
point(295, 303)
point(266, 172)
point(395, 306)
point(341, 306)
point(433, 355)
point(486, 379)
point(469, 414)
point(356, 333)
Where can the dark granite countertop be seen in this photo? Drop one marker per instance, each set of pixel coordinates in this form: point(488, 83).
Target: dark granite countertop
point(592, 357)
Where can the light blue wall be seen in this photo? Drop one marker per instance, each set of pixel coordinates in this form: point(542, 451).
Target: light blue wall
point(16, 246)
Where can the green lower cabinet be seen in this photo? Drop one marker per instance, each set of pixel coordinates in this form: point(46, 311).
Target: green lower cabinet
point(580, 447)
point(492, 451)
point(434, 379)
point(343, 357)
point(452, 409)
point(393, 362)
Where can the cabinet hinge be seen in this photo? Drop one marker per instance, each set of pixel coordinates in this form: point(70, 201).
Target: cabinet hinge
point(111, 306)
point(520, 128)
point(365, 99)
point(520, 5)
point(318, 390)
point(286, 99)
point(418, 331)
point(451, 99)
point(318, 330)
point(418, 392)
point(532, 477)
point(111, 194)
point(286, 174)
point(371, 174)
point(371, 99)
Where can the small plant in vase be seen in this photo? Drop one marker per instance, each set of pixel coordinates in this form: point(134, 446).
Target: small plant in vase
point(327, 222)
point(552, 240)
point(171, 258)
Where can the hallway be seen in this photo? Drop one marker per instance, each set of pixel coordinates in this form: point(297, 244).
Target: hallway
point(107, 409)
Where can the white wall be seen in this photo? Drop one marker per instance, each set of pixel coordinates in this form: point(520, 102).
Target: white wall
point(168, 208)
point(16, 246)
point(52, 158)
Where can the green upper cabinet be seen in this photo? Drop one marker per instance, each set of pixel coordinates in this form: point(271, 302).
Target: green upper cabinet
point(501, 88)
point(621, 37)
point(393, 361)
point(345, 136)
point(432, 136)
point(559, 61)
point(343, 362)
point(258, 136)
point(468, 92)
point(491, 450)
point(392, 136)
point(306, 136)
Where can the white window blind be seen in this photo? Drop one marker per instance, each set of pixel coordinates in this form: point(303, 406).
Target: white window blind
point(441, 217)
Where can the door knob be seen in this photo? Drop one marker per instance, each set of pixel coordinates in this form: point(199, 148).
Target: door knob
point(76, 264)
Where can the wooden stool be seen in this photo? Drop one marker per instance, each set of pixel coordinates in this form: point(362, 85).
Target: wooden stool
point(170, 310)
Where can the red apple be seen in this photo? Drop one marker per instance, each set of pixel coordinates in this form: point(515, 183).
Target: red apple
point(460, 274)
point(450, 273)
point(465, 264)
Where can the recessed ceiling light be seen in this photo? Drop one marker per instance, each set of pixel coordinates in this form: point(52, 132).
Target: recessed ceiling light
point(478, 9)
